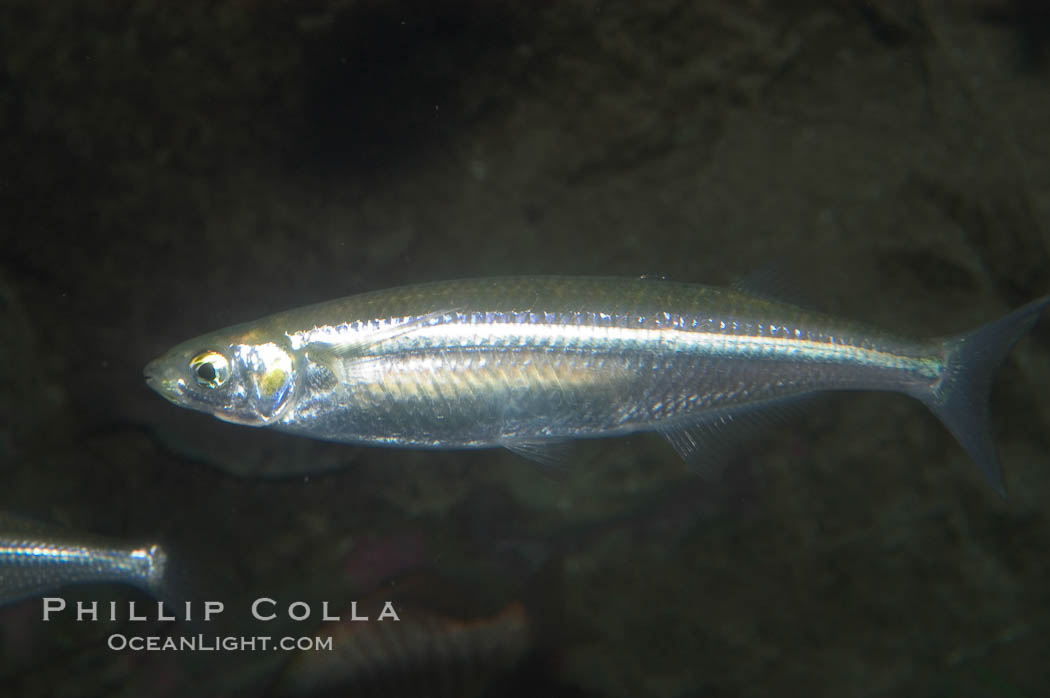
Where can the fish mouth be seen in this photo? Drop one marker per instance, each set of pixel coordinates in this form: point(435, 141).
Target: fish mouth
point(152, 373)
point(159, 378)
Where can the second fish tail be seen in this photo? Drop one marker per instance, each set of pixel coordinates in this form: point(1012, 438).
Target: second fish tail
point(960, 398)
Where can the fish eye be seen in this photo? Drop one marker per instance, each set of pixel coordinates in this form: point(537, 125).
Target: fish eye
point(210, 368)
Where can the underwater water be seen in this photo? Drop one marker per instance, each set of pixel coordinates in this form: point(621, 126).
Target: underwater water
point(173, 169)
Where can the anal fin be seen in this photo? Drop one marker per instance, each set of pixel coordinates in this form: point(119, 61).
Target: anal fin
point(554, 452)
point(710, 441)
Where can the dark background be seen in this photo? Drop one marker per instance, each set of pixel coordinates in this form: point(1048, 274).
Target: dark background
point(169, 168)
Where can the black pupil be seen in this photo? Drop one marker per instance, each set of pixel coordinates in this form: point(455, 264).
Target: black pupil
point(206, 372)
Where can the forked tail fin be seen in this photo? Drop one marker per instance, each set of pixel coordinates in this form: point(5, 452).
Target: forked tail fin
point(960, 400)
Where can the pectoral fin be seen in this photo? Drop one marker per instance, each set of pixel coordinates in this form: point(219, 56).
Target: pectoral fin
point(359, 346)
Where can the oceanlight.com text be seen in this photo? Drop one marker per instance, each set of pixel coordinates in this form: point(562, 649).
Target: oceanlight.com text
point(214, 643)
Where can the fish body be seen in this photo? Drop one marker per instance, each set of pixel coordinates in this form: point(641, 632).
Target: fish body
point(523, 361)
point(36, 559)
point(421, 655)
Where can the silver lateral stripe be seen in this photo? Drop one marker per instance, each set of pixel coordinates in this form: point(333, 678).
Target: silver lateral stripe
point(44, 552)
point(526, 331)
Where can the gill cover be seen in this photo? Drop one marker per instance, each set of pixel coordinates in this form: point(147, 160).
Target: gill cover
point(267, 384)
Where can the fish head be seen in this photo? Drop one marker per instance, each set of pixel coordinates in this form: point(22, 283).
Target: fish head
point(237, 378)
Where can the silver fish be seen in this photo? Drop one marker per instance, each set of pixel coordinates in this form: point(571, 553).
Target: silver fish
point(522, 362)
point(37, 559)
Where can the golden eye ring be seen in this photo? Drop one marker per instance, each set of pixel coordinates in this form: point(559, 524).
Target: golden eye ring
point(210, 369)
